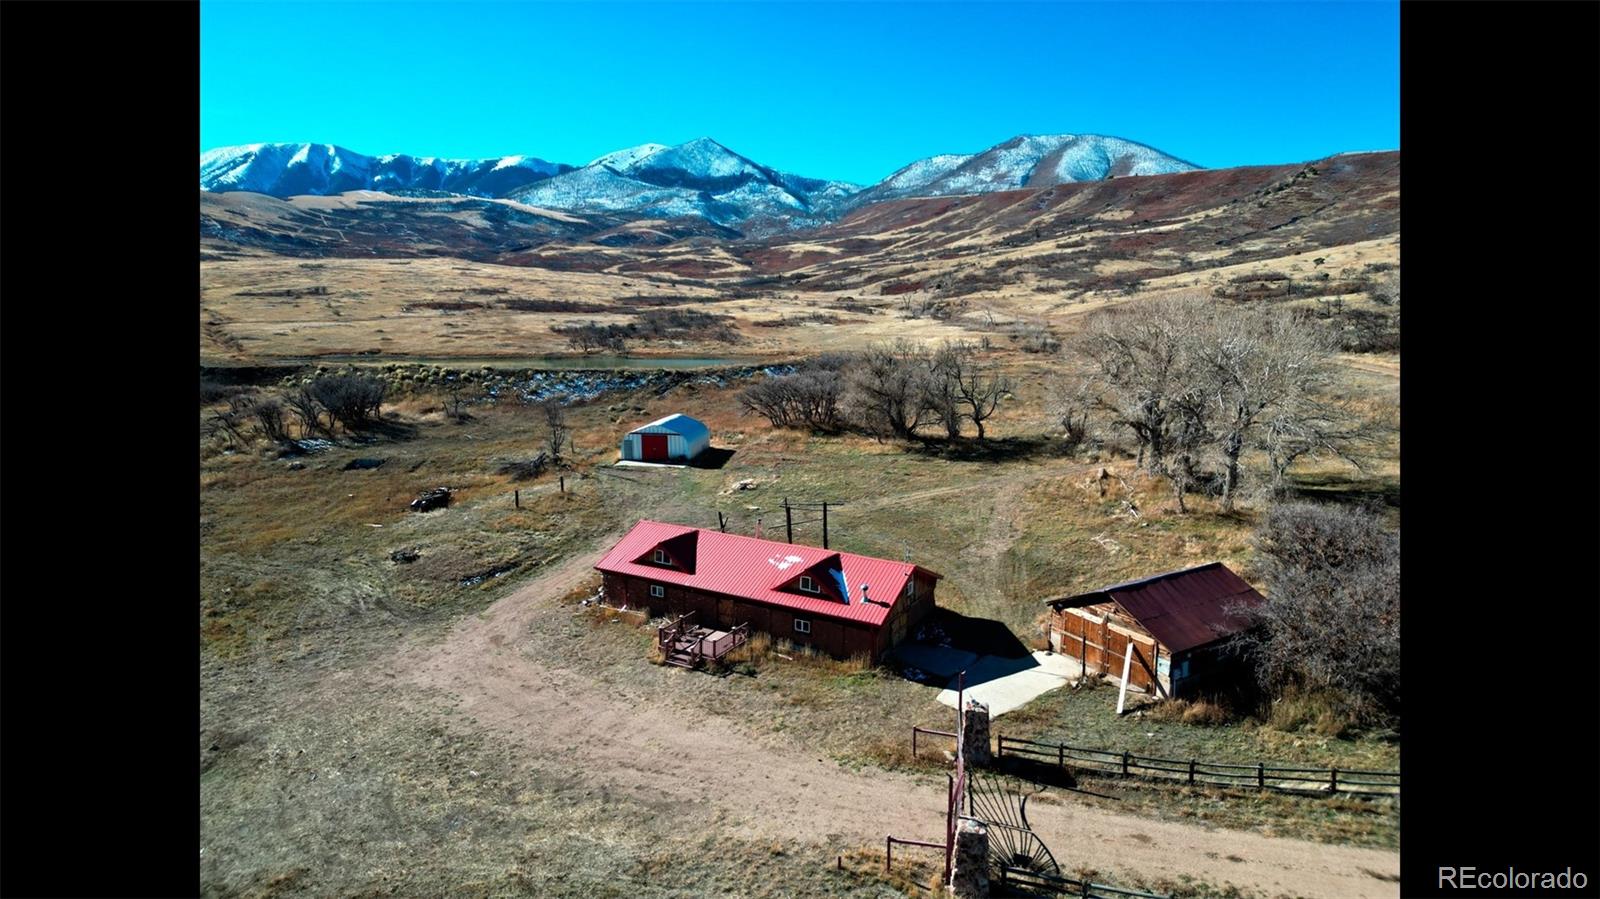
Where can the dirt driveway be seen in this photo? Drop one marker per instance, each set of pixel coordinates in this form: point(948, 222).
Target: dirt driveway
point(494, 669)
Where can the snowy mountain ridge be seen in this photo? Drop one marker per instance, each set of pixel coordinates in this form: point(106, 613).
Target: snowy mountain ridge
point(285, 170)
point(699, 178)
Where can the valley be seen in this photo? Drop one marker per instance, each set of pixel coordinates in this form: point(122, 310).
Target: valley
point(433, 703)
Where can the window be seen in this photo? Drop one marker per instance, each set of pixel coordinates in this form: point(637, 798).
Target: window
point(802, 626)
point(657, 590)
point(809, 586)
point(911, 588)
point(661, 557)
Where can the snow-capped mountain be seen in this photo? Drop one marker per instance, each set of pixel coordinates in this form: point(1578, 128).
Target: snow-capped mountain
point(701, 178)
point(285, 170)
point(1024, 161)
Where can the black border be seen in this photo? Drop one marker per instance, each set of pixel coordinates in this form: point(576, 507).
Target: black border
point(100, 680)
point(1499, 753)
point(98, 615)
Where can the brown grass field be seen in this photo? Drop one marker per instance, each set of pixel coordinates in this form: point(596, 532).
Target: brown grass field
point(321, 778)
point(461, 725)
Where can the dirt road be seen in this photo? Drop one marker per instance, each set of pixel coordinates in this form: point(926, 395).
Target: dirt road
point(494, 670)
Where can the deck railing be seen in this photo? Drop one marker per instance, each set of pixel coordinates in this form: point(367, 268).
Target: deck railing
point(728, 642)
point(668, 634)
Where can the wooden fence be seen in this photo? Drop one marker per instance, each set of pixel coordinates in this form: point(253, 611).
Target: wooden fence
point(1194, 771)
point(1022, 880)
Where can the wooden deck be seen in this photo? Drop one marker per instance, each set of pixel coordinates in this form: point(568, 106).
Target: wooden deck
point(686, 644)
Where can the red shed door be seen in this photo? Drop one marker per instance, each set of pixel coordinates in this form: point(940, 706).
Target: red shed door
point(653, 446)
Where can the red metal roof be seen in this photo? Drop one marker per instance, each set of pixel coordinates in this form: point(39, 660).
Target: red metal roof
point(763, 570)
point(1183, 609)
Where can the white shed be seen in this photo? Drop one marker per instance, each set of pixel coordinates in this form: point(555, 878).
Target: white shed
point(676, 438)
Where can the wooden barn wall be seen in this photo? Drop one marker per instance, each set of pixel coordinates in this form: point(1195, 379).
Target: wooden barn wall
point(1101, 645)
point(908, 613)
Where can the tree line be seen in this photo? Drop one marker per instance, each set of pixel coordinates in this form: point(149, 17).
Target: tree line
point(893, 388)
point(319, 408)
point(1196, 384)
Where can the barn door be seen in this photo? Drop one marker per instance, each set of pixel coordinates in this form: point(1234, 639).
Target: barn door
point(653, 447)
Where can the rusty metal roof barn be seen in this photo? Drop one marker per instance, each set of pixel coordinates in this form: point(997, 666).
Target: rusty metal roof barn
point(1183, 609)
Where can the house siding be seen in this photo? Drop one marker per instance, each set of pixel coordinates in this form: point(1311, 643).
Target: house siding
point(837, 638)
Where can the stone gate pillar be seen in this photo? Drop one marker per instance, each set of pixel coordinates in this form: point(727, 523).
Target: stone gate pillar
point(969, 864)
point(976, 731)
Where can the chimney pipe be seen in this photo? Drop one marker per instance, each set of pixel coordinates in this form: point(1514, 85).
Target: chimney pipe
point(864, 599)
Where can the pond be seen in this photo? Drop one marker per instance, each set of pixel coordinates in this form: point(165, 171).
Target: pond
point(596, 362)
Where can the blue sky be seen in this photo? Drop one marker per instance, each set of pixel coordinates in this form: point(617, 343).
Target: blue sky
point(832, 90)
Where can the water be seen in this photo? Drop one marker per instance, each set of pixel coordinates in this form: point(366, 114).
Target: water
point(512, 363)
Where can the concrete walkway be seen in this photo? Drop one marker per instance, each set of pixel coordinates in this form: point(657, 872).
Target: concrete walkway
point(1000, 683)
point(940, 661)
point(1008, 684)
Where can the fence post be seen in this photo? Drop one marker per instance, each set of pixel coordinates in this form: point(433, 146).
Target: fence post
point(516, 496)
point(1333, 781)
point(1125, 760)
point(1084, 890)
point(1061, 755)
point(888, 853)
point(1191, 772)
point(1261, 775)
point(563, 483)
point(913, 741)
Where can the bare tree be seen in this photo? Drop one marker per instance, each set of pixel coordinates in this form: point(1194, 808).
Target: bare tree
point(269, 417)
point(1309, 426)
point(352, 400)
point(980, 386)
point(231, 421)
point(1145, 367)
point(306, 408)
point(1332, 616)
point(456, 388)
point(1258, 362)
point(1069, 404)
point(885, 392)
point(590, 336)
point(941, 385)
point(1196, 379)
point(556, 429)
point(806, 398)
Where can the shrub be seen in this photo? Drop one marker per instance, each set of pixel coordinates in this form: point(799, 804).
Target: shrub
point(351, 399)
point(1331, 623)
point(586, 337)
point(215, 391)
point(808, 398)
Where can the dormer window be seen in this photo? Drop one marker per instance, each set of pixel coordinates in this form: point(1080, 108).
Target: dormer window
point(808, 585)
point(661, 557)
point(911, 588)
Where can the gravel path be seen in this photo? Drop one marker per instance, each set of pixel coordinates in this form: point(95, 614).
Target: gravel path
point(697, 764)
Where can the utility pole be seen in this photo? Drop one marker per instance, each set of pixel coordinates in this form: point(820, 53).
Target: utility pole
point(788, 519)
point(824, 524)
point(722, 523)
